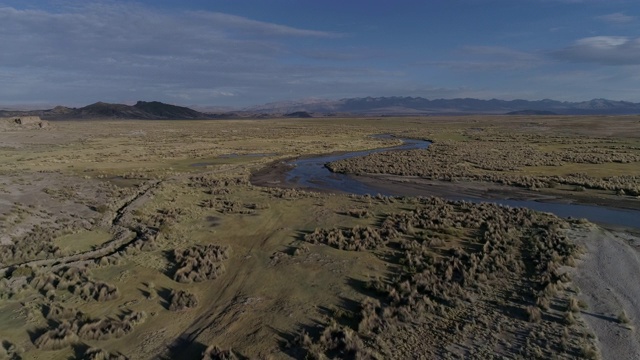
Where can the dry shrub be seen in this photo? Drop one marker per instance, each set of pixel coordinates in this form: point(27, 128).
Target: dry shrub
point(99, 354)
point(146, 241)
point(623, 318)
point(215, 181)
point(199, 263)
point(359, 238)
point(99, 291)
point(335, 342)
point(58, 338)
point(10, 351)
point(534, 314)
point(182, 300)
point(59, 313)
point(77, 281)
point(359, 213)
point(452, 255)
point(215, 353)
point(110, 260)
point(108, 328)
point(36, 244)
point(281, 193)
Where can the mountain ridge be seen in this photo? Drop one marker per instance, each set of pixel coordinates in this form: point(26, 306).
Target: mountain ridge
point(142, 110)
point(364, 106)
point(397, 105)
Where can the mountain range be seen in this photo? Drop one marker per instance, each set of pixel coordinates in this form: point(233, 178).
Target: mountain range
point(371, 106)
point(421, 106)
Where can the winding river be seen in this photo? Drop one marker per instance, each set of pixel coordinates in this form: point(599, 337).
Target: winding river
point(312, 173)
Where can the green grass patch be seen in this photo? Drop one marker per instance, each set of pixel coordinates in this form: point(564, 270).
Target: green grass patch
point(82, 241)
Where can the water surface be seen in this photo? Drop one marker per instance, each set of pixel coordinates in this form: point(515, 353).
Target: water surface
point(312, 173)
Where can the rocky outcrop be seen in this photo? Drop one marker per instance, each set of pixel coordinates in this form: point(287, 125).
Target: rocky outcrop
point(23, 122)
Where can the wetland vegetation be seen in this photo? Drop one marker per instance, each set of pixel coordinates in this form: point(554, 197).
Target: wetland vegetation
point(114, 246)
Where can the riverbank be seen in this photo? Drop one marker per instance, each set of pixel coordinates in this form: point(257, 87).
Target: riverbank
point(416, 186)
point(606, 276)
point(612, 211)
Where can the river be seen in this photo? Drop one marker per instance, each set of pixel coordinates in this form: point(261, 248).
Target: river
point(312, 173)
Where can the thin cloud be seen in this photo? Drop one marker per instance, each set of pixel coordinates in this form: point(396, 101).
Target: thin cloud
point(117, 50)
point(616, 18)
point(604, 50)
point(489, 58)
point(259, 27)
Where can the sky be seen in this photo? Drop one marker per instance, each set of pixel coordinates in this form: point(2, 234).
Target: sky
point(239, 53)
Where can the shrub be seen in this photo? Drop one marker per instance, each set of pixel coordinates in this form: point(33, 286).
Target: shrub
point(182, 300)
point(58, 338)
point(215, 353)
point(99, 354)
point(623, 318)
point(108, 328)
point(200, 263)
point(534, 314)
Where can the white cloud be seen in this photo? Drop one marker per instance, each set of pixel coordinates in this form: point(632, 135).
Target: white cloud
point(616, 18)
point(605, 50)
point(91, 52)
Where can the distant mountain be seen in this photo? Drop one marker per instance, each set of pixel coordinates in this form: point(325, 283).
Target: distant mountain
point(421, 106)
point(371, 106)
point(153, 110)
point(531, 112)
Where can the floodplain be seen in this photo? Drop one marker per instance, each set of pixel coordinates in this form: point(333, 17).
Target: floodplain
point(184, 239)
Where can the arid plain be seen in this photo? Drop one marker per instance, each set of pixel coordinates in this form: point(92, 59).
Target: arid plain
point(183, 239)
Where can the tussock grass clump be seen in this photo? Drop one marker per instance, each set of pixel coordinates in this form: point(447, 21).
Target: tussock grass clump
point(76, 280)
point(359, 213)
point(10, 351)
point(623, 318)
point(359, 238)
point(99, 291)
point(73, 325)
point(451, 258)
point(107, 328)
point(281, 193)
point(199, 263)
point(146, 241)
point(215, 181)
point(335, 342)
point(59, 313)
point(226, 206)
point(182, 300)
point(60, 337)
point(213, 352)
point(100, 354)
point(534, 314)
point(36, 244)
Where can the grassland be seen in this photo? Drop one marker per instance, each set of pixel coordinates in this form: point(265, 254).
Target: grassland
point(141, 239)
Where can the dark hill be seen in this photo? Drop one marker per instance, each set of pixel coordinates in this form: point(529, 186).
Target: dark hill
point(165, 111)
point(142, 110)
point(106, 110)
point(298, 114)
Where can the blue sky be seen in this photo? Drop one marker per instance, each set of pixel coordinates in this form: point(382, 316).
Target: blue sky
point(240, 52)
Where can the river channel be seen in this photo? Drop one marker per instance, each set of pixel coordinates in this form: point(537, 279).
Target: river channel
point(312, 173)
